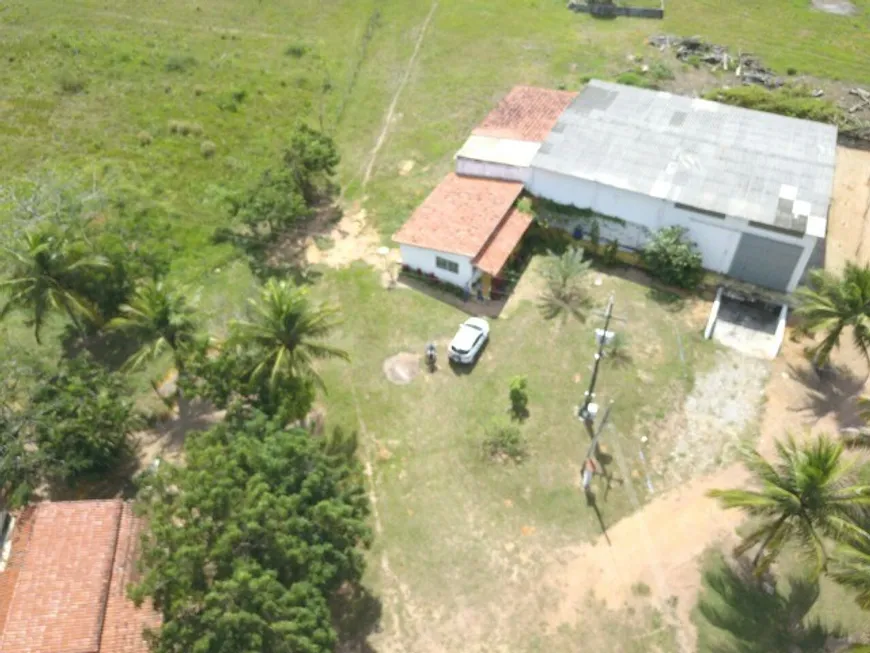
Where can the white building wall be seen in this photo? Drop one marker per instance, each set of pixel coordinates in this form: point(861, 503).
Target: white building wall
point(717, 239)
point(419, 258)
point(473, 168)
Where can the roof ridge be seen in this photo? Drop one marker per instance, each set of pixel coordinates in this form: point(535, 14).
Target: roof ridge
point(105, 601)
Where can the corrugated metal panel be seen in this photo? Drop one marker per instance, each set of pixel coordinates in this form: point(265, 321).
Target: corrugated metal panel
point(748, 164)
point(765, 262)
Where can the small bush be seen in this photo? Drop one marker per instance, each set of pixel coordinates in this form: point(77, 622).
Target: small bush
point(71, 84)
point(795, 101)
point(525, 205)
point(660, 71)
point(504, 443)
point(185, 128)
point(144, 138)
point(179, 63)
point(641, 589)
point(239, 95)
point(673, 259)
point(198, 90)
point(519, 397)
point(207, 149)
point(297, 50)
point(791, 72)
point(694, 61)
point(324, 242)
point(610, 253)
point(634, 78)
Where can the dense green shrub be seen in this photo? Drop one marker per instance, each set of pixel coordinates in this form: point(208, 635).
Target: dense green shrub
point(659, 71)
point(184, 128)
point(610, 253)
point(207, 149)
point(83, 416)
point(504, 442)
point(795, 101)
point(673, 259)
point(519, 396)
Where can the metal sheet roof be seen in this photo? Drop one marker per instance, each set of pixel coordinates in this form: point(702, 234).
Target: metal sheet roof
point(748, 164)
point(505, 151)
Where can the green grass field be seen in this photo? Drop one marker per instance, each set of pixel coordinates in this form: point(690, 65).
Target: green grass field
point(87, 94)
point(457, 528)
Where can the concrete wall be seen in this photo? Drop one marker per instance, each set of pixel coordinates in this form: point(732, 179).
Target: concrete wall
point(717, 238)
point(473, 168)
point(422, 259)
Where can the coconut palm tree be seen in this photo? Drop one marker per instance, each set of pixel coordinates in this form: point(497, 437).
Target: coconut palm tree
point(850, 566)
point(563, 294)
point(41, 265)
point(157, 316)
point(830, 303)
point(286, 331)
point(806, 497)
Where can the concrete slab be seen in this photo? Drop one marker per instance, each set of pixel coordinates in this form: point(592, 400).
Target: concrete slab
point(750, 328)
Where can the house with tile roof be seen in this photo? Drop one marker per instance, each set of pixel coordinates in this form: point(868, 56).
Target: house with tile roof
point(751, 188)
point(63, 580)
point(467, 228)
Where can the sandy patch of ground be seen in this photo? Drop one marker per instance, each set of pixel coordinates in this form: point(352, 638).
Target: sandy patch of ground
point(405, 167)
point(837, 7)
point(402, 368)
point(659, 545)
point(166, 439)
point(848, 235)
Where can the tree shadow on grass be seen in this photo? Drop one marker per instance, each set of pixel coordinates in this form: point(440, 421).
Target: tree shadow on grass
point(668, 300)
point(835, 391)
point(109, 349)
point(740, 613)
point(356, 614)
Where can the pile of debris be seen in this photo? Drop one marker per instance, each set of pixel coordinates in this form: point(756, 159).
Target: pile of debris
point(694, 50)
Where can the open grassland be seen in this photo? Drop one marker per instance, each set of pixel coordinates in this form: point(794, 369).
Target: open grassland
point(465, 546)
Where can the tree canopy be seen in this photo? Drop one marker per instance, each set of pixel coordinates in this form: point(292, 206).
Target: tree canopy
point(248, 541)
point(830, 303)
point(806, 497)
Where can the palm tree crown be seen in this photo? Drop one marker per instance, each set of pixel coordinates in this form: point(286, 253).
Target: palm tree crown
point(40, 269)
point(157, 316)
point(805, 497)
point(286, 330)
point(564, 294)
point(850, 566)
point(831, 303)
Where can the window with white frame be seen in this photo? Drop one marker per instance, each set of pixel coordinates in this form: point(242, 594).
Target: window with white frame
point(447, 264)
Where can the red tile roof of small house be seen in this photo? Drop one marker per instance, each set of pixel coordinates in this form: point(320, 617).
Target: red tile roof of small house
point(460, 215)
point(495, 254)
point(66, 592)
point(527, 113)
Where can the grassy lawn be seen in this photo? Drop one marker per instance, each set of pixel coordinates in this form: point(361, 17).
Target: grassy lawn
point(87, 93)
point(457, 528)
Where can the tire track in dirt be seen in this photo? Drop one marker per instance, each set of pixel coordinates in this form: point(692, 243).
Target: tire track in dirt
point(391, 110)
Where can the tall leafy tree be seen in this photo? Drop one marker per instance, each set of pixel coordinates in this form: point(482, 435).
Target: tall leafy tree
point(250, 539)
point(82, 417)
point(806, 497)
point(275, 204)
point(285, 334)
point(311, 157)
point(830, 304)
point(159, 317)
point(41, 265)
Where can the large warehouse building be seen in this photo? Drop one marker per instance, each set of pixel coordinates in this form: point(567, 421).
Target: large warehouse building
point(752, 188)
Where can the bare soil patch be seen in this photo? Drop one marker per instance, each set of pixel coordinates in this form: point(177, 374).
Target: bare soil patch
point(836, 7)
point(402, 368)
point(848, 234)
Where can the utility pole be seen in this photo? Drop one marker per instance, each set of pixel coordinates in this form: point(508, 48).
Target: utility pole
point(589, 409)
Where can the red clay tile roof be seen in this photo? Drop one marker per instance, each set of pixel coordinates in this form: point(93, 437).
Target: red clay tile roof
point(503, 242)
point(460, 215)
point(69, 585)
point(19, 540)
point(124, 622)
point(526, 113)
